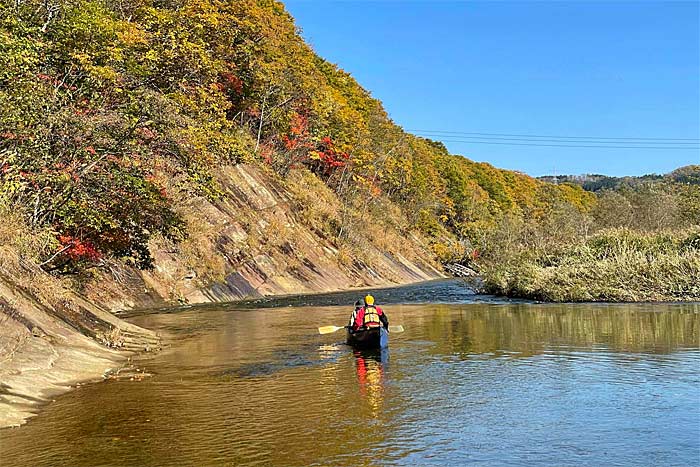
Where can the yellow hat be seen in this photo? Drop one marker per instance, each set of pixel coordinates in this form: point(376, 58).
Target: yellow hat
point(369, 300)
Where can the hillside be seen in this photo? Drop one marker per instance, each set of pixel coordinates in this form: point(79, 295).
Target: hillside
point(120, 122)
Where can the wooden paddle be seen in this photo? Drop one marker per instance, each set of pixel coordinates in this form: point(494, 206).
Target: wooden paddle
point(330, 329)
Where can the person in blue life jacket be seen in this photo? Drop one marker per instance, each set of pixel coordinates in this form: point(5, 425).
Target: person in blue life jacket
point(367, 315)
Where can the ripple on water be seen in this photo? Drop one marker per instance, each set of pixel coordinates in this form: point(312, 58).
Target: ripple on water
point(463, 385)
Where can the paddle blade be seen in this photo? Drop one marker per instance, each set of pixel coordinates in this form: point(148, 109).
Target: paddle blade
point(329, 329)
point(397, 328)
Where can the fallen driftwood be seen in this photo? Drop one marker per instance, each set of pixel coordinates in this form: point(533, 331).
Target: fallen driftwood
point(460, 270)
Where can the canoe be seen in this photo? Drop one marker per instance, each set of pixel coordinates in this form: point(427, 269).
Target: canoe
point(372, 338)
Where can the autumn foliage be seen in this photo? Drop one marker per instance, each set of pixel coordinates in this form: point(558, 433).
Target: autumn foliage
point(77, 249)
point(113, 113)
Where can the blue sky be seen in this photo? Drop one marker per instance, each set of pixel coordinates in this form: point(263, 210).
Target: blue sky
point(628, 69)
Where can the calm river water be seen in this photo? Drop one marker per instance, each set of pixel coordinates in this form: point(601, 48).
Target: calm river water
point(472, 381)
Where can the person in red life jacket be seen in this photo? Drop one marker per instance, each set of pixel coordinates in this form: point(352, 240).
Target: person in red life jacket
point(353, 316)
point(368, 316)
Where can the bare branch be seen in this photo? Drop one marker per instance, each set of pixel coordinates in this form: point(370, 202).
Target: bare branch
point(41, 265)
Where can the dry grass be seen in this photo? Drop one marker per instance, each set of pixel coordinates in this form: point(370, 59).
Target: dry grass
point(315, 204)
point(15, 234)
point(21, 250)
point(613, 265)
point(199, 251)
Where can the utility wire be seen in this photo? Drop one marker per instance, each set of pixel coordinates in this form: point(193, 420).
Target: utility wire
point(446, 140)
point(463, 133)
point(469, 138)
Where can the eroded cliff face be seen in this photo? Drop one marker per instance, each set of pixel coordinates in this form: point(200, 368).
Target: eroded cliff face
point(262, 237)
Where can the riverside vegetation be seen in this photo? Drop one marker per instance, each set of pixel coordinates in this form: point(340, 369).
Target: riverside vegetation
point(119, 119)
point(639, 242)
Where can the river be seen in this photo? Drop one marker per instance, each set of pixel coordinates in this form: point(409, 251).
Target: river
point(472, 381)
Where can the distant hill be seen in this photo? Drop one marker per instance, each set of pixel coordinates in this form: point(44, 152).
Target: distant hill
point(689, 174)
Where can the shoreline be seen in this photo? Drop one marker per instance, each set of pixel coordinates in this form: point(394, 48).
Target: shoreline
point(41, 371)
point(261, 302)
point(41, 356)
point(52, 339)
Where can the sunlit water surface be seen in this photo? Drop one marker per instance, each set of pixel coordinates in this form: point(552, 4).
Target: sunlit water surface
point(474, 382)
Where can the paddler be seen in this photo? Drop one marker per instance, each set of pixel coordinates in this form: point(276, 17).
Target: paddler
point(368, 316)
point(353, 315)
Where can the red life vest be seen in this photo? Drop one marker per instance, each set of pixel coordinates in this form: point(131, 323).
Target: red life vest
point(368, 316)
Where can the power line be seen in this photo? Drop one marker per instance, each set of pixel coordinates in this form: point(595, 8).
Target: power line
point(565, 145)
point(468, 138)
point(460, 133)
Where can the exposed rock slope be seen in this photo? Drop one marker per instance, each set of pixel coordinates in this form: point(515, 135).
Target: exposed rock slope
point(46, 345)
point(262, 238)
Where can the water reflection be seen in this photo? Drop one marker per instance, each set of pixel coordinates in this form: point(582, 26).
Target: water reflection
point(521, 331)
point(369, 365)
point(516, 384)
